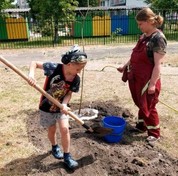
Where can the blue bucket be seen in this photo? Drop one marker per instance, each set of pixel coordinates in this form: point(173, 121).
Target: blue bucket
point(117, 124)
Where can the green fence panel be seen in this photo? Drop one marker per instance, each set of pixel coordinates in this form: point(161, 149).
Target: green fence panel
point(27, 28)
point(3, 30)
point(133, 27)
point(86, 24)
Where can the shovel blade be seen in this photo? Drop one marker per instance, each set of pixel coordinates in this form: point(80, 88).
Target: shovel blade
point(102, 131)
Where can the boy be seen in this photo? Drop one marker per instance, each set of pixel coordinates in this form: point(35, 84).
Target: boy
point(61, 81)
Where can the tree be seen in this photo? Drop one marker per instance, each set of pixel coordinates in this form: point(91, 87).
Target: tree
point(4, 4)
point(54, 10)
point(86, 3)
point(162, 4)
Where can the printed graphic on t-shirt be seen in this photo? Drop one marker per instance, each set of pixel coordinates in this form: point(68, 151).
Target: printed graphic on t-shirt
point(157, 43)
point(56, 86)
point(58, 89)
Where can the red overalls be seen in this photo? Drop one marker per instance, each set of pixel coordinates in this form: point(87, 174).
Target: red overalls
point(139, 76)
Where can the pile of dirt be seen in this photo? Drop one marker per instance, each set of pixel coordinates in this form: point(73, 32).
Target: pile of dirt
point(131, 156)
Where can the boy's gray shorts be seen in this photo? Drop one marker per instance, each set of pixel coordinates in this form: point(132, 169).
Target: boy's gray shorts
point(48, 119)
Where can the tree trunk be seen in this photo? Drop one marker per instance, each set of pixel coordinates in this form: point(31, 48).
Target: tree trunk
point(56, 36)
point(164, 16)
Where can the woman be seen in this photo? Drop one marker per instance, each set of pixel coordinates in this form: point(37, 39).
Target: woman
point(143, 72)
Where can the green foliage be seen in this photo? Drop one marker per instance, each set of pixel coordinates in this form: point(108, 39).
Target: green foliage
point(162, 4)
point(55, 10)
point(86, 3)
point(46, 30)
point(5, 4)
point(116, 33)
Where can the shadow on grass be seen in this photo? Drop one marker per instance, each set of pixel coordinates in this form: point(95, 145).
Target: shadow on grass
point(36, 164)
point(45, 163)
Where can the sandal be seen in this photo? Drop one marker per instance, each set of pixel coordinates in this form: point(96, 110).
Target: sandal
point(152, 139)
point(56, 152)
point(70, 162)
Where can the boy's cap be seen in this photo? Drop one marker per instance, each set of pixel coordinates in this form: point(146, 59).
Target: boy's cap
point(74, 55)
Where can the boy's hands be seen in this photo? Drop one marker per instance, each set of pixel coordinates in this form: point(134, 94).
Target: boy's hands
point(31, 80)
point(65, 109)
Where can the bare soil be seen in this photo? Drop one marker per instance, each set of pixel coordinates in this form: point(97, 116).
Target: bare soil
point(104, 91)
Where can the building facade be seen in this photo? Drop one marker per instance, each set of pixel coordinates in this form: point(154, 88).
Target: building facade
point(126, 3)
point(22, 4)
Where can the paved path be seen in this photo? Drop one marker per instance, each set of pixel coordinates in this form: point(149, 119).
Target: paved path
point(23, 57)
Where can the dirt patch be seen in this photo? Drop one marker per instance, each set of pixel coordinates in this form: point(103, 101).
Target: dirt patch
point(104, 91)
point(131, 156)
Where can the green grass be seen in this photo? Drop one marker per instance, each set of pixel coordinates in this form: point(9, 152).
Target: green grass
point(67, 41)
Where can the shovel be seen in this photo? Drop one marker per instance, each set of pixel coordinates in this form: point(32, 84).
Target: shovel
point(100, 131)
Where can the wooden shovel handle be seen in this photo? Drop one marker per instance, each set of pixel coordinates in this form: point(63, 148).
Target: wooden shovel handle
point(43, 92)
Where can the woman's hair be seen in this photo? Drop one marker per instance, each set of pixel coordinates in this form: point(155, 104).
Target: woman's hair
point(146, 14)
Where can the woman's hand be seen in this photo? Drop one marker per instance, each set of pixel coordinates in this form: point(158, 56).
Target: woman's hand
point(121, 69)
point(151, 89)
